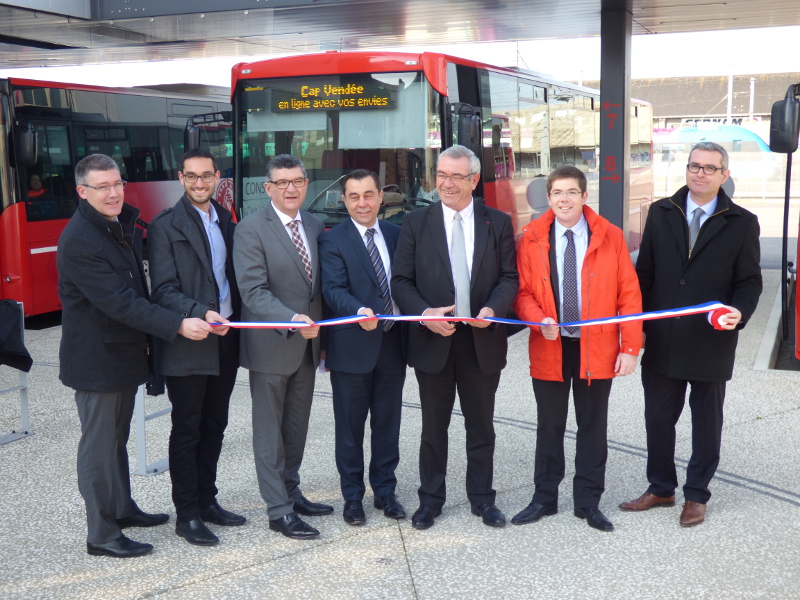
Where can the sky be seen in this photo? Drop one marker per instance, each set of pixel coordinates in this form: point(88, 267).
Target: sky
point(738, 52)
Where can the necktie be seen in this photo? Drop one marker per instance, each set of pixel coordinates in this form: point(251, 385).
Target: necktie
point(569, 287)
point(301, 248)
point(694, 227)
point(459, 258)
point(380, 272)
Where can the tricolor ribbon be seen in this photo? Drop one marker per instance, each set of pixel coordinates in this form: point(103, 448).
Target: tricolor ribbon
point(646, 316)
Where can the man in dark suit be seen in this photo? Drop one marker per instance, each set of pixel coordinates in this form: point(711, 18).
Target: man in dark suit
point(697, 247)
point(277, 268)
point(191, 269)
point(366, 359)
point(456, 257)
point(105, 322)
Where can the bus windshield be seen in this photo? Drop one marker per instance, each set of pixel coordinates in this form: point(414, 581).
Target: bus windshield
point(385, 122)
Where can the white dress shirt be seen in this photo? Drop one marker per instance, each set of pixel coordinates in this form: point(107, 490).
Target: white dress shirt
point(383, 249)
point(468, 224)
point(580, 235)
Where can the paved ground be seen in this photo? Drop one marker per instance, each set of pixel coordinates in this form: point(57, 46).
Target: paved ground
point(749, 546)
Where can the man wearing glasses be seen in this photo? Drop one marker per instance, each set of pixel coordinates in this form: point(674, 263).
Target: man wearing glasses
point(456, 257)
point(191, 270)
point(277, 268)
point(105, 324)
point(574, 265)
point(697, 246)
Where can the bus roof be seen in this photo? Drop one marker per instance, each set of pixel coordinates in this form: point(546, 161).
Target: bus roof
point(433, 64)
point(218, 94)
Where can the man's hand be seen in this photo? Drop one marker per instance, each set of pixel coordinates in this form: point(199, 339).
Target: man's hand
point(485, 312)
point(731, 320)
point(307, 332)
point(443, 328)
point(214, 317)
point(625, 365)
point(194, 329)
point(368, 325)
point(549, 332)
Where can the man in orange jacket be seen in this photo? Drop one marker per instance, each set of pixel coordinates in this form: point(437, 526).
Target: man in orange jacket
point(574, 265)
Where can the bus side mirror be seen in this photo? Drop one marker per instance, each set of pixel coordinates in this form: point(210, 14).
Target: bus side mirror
point(784, 125)
point(26, 150)
point(191, 137)
point(470, 131)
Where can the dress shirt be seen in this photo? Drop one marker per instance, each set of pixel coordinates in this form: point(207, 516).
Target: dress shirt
point(286, 219)
point(580, 235)
point(708, 209)
point(380, 243)
point(219, 256)
point(468, 224)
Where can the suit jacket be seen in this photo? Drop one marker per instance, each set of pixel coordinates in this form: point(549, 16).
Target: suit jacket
point(182, 278)
point(724, 266)
point(106, 313)
point(422, 278)
point(349, 282)
point(274, 287)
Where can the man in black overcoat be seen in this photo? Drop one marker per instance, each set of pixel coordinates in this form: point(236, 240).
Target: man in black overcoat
point(191, 269)
point(105, 323)
point(698, 246)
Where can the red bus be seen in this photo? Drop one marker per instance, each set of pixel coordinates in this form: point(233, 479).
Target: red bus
point(395, 112)
point(45, 128)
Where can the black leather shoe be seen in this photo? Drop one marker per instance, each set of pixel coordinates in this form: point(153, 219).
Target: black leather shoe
point(214, 513)
point(195, 532)
point(353, 512)
point(391, 507)
point(304, 506)
point(142, 519)
point(532, 513)
point(594, 518)
point(491, 515)
point(424, 517)
point(122, 547)
point(293, 527)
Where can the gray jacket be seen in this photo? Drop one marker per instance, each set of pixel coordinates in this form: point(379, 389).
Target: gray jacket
point(183, 281)
point(106, 312)
point(274, 287)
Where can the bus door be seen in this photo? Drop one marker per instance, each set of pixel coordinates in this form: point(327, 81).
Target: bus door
point(48, 189)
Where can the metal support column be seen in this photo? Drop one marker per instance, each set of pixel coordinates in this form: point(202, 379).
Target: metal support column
point(24, 414)
point(140, 417)
point(615, 95)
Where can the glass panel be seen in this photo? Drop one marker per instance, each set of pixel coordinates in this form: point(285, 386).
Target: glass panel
point(50, 184)
point(384, 122)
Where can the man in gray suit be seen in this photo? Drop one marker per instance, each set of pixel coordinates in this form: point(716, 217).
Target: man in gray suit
point(277, 268)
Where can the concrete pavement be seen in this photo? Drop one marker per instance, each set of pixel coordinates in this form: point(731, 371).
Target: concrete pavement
point(749, 546)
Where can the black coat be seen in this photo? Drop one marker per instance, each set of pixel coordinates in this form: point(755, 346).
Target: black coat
point(106, 312)
point(183, 281)
point(724, 266)
point(423, 278)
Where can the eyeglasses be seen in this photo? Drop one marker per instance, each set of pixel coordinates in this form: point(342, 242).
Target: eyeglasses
point(707, 169)
point(282, 184)
point(454, 178)
point(106, 189)
point(571, 194)
point(206, 177)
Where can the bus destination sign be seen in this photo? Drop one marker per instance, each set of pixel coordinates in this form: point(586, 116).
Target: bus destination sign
point(313, 96)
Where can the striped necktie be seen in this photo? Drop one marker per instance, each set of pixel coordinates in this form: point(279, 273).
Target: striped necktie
point(569, 287)
point(380, 272)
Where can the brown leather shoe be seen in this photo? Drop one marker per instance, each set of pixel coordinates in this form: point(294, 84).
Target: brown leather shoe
point(646, 501)
point(693, 514)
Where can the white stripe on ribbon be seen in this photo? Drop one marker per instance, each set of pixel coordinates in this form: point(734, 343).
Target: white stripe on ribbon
point(646, 316)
